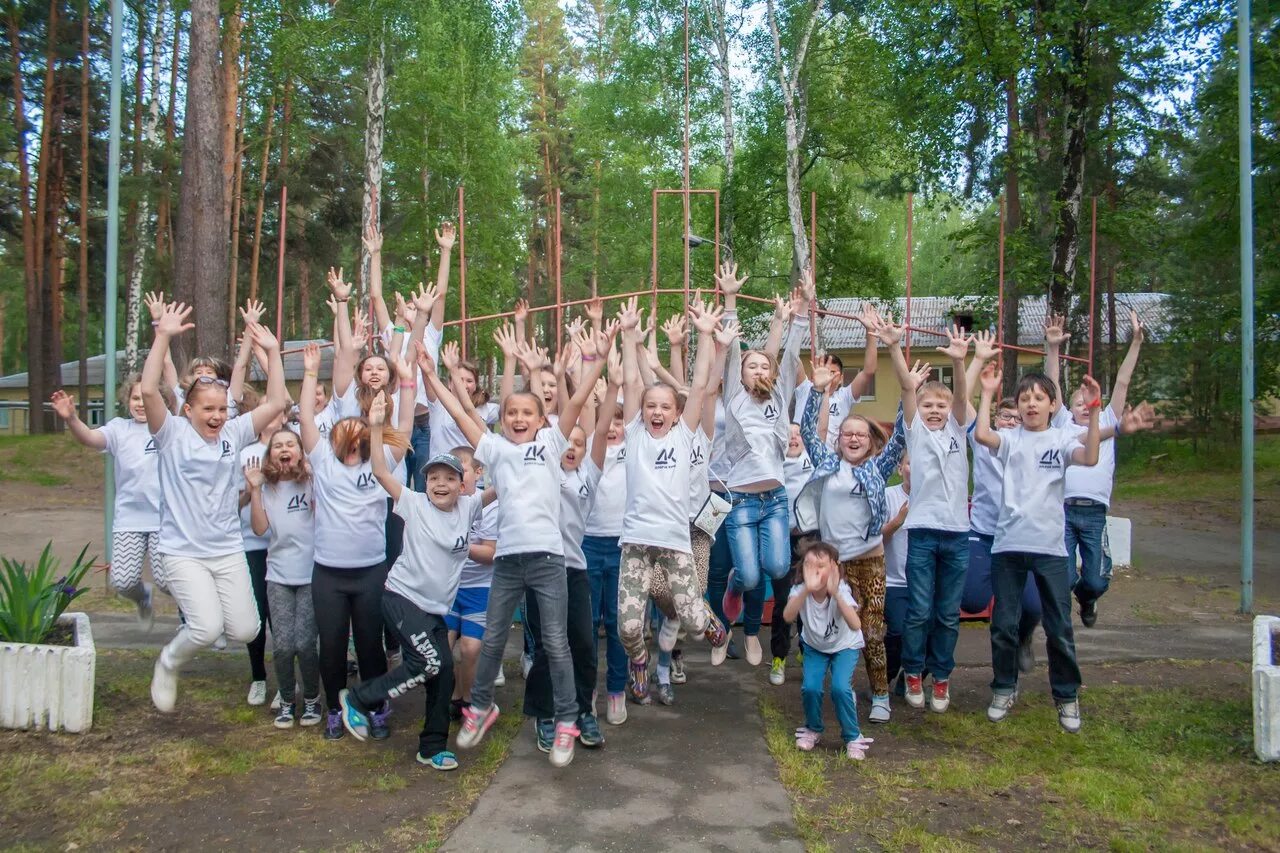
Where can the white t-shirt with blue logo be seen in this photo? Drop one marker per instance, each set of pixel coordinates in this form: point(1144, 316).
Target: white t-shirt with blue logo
point(485, 529)
point(351, 510)
point(939, 476)
point(137, 475)
point(290, 509)
point(436, 544)
point(699, 484)
point(1032, 518)
point(895, 546)
point(578, 492)
point(839, 405)
point(605, 518)
point(527, 477)
point(823, 627)
point(199, 482)
point(845, 518)
point(658, 487)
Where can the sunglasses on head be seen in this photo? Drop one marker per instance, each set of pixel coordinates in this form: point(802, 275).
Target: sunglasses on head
point(206, 380)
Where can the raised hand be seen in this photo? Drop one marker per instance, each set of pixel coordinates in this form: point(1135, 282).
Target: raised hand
point(674, 329)
point(918, 375)
point(984, 346)
point(505, 338)
point(959, 343)
point(808, 286)
point(252, 311)
point(173, 319)
point(824, 373)
point(402, 368)
point(154, 303)
point(1055, 334)
point(1138, 419)
point(1138, 332)
point(450, 356)
point(889, 332)
point(378, 411)
point(446, 234)
point(799, 302)
point(647, 329)
point(311, 358)
point(595, 310)
point(815, 578)
point(870, 318)
point(521, 311)
point(705, 320)
point(426, 298)
point(585, 342)
point(404, 314)
point(990, 379)
point(782, 309)
point(727, 279)
point(63, 406)
point(728, 333)
point(615, 367)
point(1092, 393)
point(262, 337)
point(629, 315)
point(425, 363)
point(340, 289)
point(574, 327)
point(253, 472)
point(333, 305)
point(359, 327)
point(530, 356)
point(372, 239)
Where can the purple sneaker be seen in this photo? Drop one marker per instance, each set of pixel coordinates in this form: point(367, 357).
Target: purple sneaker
point(333, 729)
point(378, 728)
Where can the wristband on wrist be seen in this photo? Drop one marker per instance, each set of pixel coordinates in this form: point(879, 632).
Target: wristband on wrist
point(1095, 404)
point(589, 357)
point(311, 373)
point(399, 329)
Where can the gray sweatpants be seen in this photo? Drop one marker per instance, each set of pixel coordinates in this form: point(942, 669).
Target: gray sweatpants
point(543, 575)
point(294, 637)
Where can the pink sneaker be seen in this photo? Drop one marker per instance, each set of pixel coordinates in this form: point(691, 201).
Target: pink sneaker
point(857, 749)
point(807, 738)
point(732, 603)
point(474, 725)
point(562, 746)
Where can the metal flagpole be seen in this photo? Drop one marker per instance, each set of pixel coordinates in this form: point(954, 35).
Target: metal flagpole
point(113, 255)
point(1246, 306)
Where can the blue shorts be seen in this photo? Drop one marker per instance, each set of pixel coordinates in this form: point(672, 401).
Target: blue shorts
point(467, 616)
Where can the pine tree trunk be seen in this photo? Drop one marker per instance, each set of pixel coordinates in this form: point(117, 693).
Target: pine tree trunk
point(231, 30)
point(164, 226)
point(200, 244)
point(38, 305)
point(133, 292)
point(35, 368)
point(256, 255)
point(716, 11)
point(1013, 222)
point(83, 325)
point(304, 297)
point(375, 126)
point(1066, 241)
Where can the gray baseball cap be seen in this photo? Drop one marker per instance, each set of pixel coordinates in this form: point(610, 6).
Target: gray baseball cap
point(447, 459)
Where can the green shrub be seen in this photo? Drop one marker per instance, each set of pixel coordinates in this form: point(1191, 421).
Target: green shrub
point(31, 601)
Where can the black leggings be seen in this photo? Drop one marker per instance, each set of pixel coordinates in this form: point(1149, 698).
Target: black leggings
point(258, 646)
point(395, 544)
point(342, 598)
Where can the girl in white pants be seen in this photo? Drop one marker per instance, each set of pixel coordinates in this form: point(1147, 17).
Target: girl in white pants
point(199, 519)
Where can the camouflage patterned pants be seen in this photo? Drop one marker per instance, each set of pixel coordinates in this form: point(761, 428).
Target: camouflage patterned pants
point(640, 565)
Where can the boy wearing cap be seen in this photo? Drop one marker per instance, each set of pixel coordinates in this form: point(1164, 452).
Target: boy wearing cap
point(419, 591)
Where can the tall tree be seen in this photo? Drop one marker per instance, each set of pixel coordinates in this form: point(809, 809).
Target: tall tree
point(82, 324)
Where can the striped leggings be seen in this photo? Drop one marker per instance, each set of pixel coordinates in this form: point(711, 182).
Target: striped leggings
point(127, 550)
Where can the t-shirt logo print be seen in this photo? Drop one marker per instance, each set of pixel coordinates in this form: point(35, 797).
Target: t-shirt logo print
point(151, 446)
point(584, 491)
point(366, 481)
point(666, 458)
point(696, 457)
point(954, 447)
point(770, 412)
point(460, 544)
point(226, 448)
point(1051, 459)
point(535, 454)
point(298, 503)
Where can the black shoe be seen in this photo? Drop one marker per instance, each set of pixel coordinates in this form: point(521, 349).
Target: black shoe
point(1027, 655)
point(455, 709)
point(378, 728)
point(1089, 613)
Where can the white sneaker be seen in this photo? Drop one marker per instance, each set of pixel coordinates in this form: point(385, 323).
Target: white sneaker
point(720, 653)
point(500, 680)
point(668, 634)
point(616, 712)
point(220, 644)
point(1069, 716)
point(1001, 705)
point(755, 653)
point(278, 701)
point(562, 747)
point(146, 612)
point(257, 693)
point(881, 711)
point(164, 687)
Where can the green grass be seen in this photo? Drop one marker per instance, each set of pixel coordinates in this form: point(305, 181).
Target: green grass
point(1154, 767)
point(47, 460)
point(1157, 467)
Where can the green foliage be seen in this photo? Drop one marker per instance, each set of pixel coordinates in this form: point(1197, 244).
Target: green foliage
point(32, 600)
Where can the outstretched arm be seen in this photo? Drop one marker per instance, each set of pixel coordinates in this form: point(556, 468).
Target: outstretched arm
point(865, 379)
point(172, 322)
point(984, 349)
point(445, 236)
point(1055, 335)
point(277, 394)
point(470, 429)
point(1120, 390)
point(505, 338)
point(377, 455)
point(604, 411)
point(632, 385)
point(310, 434)
point(1088, 455)
point(251, 313)
point(344, 351)
point(65, 408)
point(891, 336)
point(594, 347)
point(982, 431)
point(706, 320)
point(956, 349)
point(372, 239)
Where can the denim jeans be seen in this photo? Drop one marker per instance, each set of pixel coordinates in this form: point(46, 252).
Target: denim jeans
point(718, 575)
point(936, 565)
point(538, 692)
point(604, 557)
point(543, 574)
point(841, 665)
point(1009, 571)
point(895, 617)
point(758, 528)
point(1087, 531)
point(419, 453)
point(977, 586)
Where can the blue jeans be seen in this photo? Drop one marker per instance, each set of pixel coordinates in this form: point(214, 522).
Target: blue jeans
point(759, 532)
point(1009, 571)
point(419, 453)
point(936, 564)
point(1087, 531)
point(604, 559)
point(841, 664)
point(718, 574)
point(895, 617)
point(977, 586)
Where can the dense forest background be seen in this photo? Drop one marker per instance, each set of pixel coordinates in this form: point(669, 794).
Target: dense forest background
point(377, 111)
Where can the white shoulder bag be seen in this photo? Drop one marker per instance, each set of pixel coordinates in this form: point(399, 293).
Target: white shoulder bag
point(713, 512)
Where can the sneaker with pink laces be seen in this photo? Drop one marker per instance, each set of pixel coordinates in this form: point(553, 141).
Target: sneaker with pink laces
point(807, 738)
point(562, 746)
point(857, 749)
point(474, 725)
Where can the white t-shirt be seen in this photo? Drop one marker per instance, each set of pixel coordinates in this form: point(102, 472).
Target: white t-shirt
point(839, 405)
point(348, 405)
point(199, 515)
point(291, 539)
point(1095, 482)
point(658, 487)
point(939, 476)
point(483, 529)
point(351, 510)
point(720, 466)
point(578, 492)
point(798, 470)
point(846, 514)
point(252, 541)
point(137, 475)
point(436, 544)
point(445, 432)
point(1032, 518)
point(988, 486)
point(326, 418)
point(605, 518)
point(822, 626)
point(527, 476)
point(895, 546)
point(699, 484)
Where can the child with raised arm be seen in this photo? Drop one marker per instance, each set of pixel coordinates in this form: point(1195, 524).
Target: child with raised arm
point(844, 397)
point(938, 519)
point(135, 523)
point(831, 638)
point(199, 520)
point(1035, 456)
point(419, 589)
point(524, 465)
point(797, 469)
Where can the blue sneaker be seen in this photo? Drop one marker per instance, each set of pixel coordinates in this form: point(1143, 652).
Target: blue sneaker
point(589, 734)
point(546, 732)
point(354, 720)
point(440, 761)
